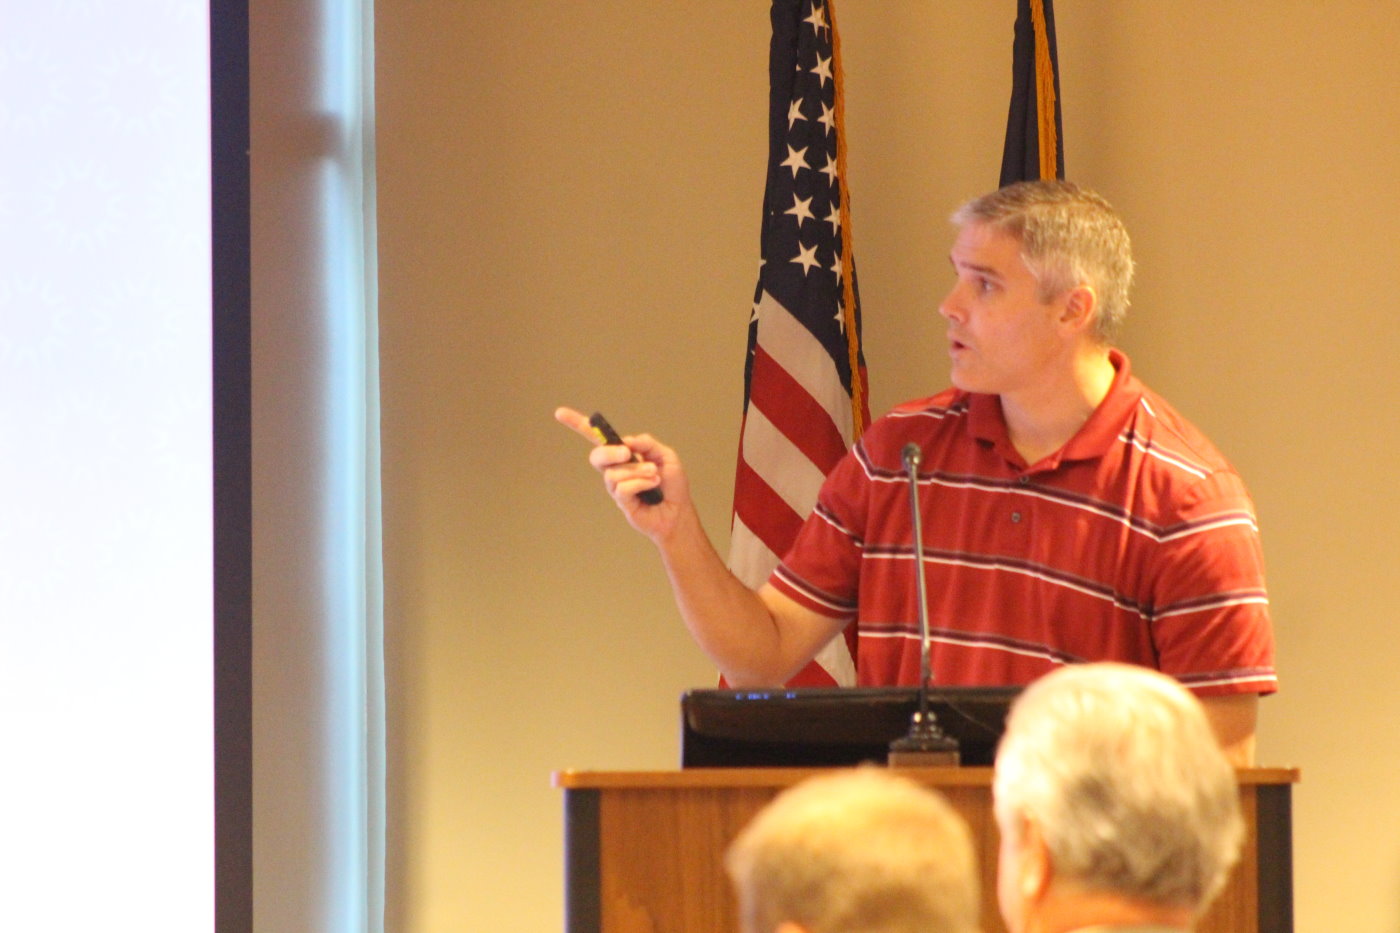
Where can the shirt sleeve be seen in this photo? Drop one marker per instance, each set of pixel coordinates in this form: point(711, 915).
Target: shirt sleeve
point(821, 570)
point(1210, 608)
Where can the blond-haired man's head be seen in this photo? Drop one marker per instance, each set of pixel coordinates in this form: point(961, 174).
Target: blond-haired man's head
point(859, 851)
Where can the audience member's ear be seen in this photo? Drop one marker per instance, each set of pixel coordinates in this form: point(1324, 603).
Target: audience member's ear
point(1037, 870)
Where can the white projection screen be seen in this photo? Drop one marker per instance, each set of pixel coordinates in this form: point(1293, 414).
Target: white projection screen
point(106, 491)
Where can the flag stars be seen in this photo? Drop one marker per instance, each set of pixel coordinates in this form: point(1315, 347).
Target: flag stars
point(806, 257)
point(827, 119)
point(795, 112)
point(829, 169)
point(836, 267)
point(822, 69)
point(834, 218)
point(796, 160)
point(817, 18)
point(801, 209)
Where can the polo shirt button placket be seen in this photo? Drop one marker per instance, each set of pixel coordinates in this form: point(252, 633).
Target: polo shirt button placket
point(1017, 516)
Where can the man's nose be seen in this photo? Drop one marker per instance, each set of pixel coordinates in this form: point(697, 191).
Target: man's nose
point(951, 305)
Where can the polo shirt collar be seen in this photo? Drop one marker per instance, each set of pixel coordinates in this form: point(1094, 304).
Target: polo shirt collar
point(1093, 440)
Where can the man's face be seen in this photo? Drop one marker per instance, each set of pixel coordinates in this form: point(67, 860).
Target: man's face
point(1002, 338)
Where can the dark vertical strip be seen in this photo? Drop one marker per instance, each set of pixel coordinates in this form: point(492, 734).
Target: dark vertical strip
point(1275, 834)
point(583, 876)
point(1020, 158)
point(232, 419)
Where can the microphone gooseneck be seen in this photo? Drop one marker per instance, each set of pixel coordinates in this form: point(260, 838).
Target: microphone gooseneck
point(926, 743)
point(913, 456)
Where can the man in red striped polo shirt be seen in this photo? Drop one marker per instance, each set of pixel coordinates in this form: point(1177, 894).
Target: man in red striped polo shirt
point(1069, 513)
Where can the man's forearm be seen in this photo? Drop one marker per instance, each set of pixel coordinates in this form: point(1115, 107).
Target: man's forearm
point(728, 620)
point(749, 642)
point(1234, 719)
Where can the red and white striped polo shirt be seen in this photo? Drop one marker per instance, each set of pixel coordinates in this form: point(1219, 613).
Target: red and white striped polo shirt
point(1135, 542)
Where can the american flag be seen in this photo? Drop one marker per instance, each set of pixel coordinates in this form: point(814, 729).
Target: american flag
point(804, 375)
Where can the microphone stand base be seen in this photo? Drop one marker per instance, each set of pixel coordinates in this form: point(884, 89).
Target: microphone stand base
point(925, 746)
point(943, 758)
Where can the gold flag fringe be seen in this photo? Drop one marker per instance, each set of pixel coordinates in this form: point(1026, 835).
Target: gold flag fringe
point(1045, 94)
point(848, 293)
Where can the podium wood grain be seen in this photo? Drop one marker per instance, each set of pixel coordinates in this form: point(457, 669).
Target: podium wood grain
point(645, 850)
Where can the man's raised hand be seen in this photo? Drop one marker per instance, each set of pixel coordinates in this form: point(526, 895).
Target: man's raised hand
point(631, 468)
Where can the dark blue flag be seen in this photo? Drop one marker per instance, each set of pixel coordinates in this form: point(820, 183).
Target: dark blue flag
point(1035, 146)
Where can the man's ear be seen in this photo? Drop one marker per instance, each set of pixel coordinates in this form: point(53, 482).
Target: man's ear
point(1079, 306)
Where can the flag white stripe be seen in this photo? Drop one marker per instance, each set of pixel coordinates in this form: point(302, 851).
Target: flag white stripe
point(789, 472)
point(803, 357)
point(750, 559)
point(835, 658)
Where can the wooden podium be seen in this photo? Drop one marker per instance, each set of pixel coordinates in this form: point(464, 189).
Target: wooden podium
point(644, 850)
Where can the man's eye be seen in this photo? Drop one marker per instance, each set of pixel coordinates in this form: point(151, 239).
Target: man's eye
point(984, 285)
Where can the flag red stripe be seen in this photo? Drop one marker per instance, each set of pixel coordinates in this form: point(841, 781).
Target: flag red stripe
point(794, 412)
point(764, 512)
point(813, 675)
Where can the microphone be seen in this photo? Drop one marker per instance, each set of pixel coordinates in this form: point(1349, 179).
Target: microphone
point(926, 744)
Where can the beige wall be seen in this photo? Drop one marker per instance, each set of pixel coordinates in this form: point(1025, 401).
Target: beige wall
point(569, 200)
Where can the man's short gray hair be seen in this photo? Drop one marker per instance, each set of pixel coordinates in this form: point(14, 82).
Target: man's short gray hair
point(859, 851)
point(1069, 236)
point(1119, 768)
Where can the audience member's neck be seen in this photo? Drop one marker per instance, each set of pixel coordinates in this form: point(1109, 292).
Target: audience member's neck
point(1070, 908)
